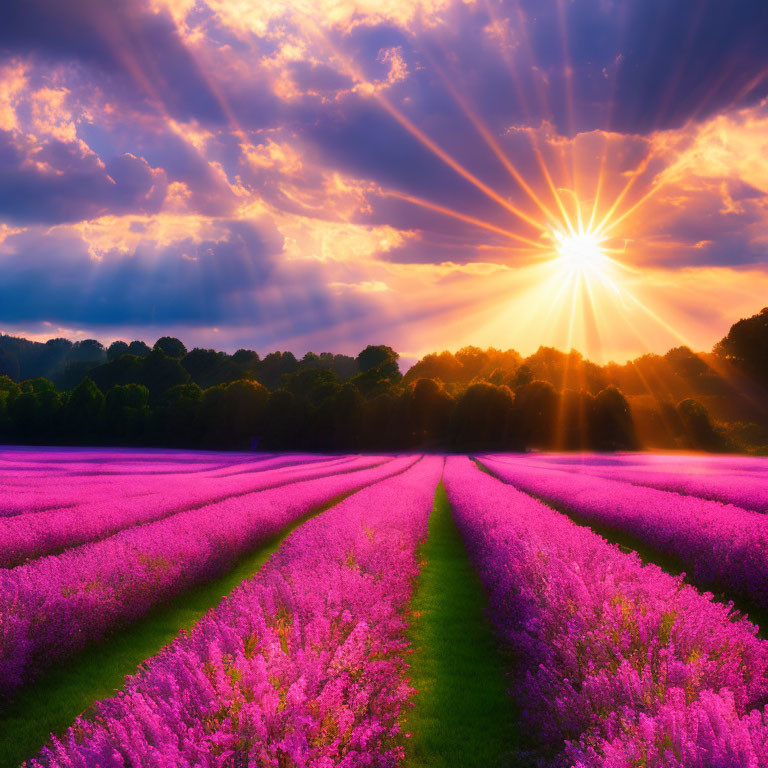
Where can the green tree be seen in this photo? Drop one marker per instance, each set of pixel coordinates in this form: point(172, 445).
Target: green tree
point(116, 349)
point(281, 427)
point(160, 372)
point(208, 368)
point(746, 346)
point(9, 390)
point(536, 414)
point(575, 415)
point(138, 348)
point(9, 365)
point(313, 384)
point(126, 369)
point(443, 366)
point(429, 411)
point(88, 351)
point(613, 428)
point(376, 356)
point(126, 412)
point(380, 425)
point(171, 346)
point(347, 416)
point(232, 414)
point(243, 411)
point(83, 413)
point(33, 410)
point(177, 415)
point(697, 427)
point(484, 418)
point(271, 369)
point(378, 370)
point(247, 362)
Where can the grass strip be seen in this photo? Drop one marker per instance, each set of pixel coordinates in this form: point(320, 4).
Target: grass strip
point(462, 714)
point(51, 704)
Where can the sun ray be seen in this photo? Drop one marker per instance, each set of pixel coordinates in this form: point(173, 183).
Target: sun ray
point(594, 306)
point(569, 101)
point(599, 184)
point(455, 165)
point(490, 140)
point(577, 208)
point(633, 177)
point(605, 228)
point(370, 88)
point(560, 421)
point(532, 137)
point(463, 217)
point(614, 77)
point(606, 223)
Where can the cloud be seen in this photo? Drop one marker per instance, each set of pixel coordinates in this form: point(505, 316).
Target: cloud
point(321, 169)
point(55, 181)
point(53, 275)
point(124, 43)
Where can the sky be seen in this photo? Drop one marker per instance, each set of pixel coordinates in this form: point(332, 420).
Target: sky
point(326, 174)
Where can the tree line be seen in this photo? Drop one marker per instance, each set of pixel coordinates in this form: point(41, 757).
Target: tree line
point(131, 394)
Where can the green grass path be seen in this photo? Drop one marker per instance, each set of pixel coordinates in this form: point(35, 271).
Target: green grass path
point(463, 715)
point(65, 691)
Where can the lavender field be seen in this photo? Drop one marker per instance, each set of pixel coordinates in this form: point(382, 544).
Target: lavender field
point(298, 607)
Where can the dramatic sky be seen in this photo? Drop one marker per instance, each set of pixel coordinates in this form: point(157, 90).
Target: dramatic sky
point(324, 174)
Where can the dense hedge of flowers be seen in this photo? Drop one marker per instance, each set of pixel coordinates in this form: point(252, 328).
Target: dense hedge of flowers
point(132, 501)
point(302, 665)
point(56, 605)
point(46, 478)
point(722, 547)
point(725, 480)
point(43, 485)
point(615, 663)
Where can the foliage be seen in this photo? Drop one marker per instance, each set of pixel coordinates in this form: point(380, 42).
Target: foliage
point(469, 400)
point(746, 346)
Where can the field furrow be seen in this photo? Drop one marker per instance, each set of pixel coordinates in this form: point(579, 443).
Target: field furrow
point(462, 716)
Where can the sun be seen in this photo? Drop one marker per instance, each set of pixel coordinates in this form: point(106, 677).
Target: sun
point(580, 253)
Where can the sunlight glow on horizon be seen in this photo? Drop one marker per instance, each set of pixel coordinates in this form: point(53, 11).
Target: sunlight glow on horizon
point(335, 186)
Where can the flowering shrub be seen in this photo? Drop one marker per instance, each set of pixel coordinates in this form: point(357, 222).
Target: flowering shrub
point(54, 606)
point(101, 512)
point(724, 480)
point(616, 663)
point(302, 665)
point(722, 547)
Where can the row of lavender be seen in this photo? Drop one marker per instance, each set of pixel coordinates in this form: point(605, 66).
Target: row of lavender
point(302, 665)
point(18, 464)
point(722, 547)
point(614, 645)
point(98, 515)
point(618, 664)
point(729, 479)
point(45, 488)
point(54, 606)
